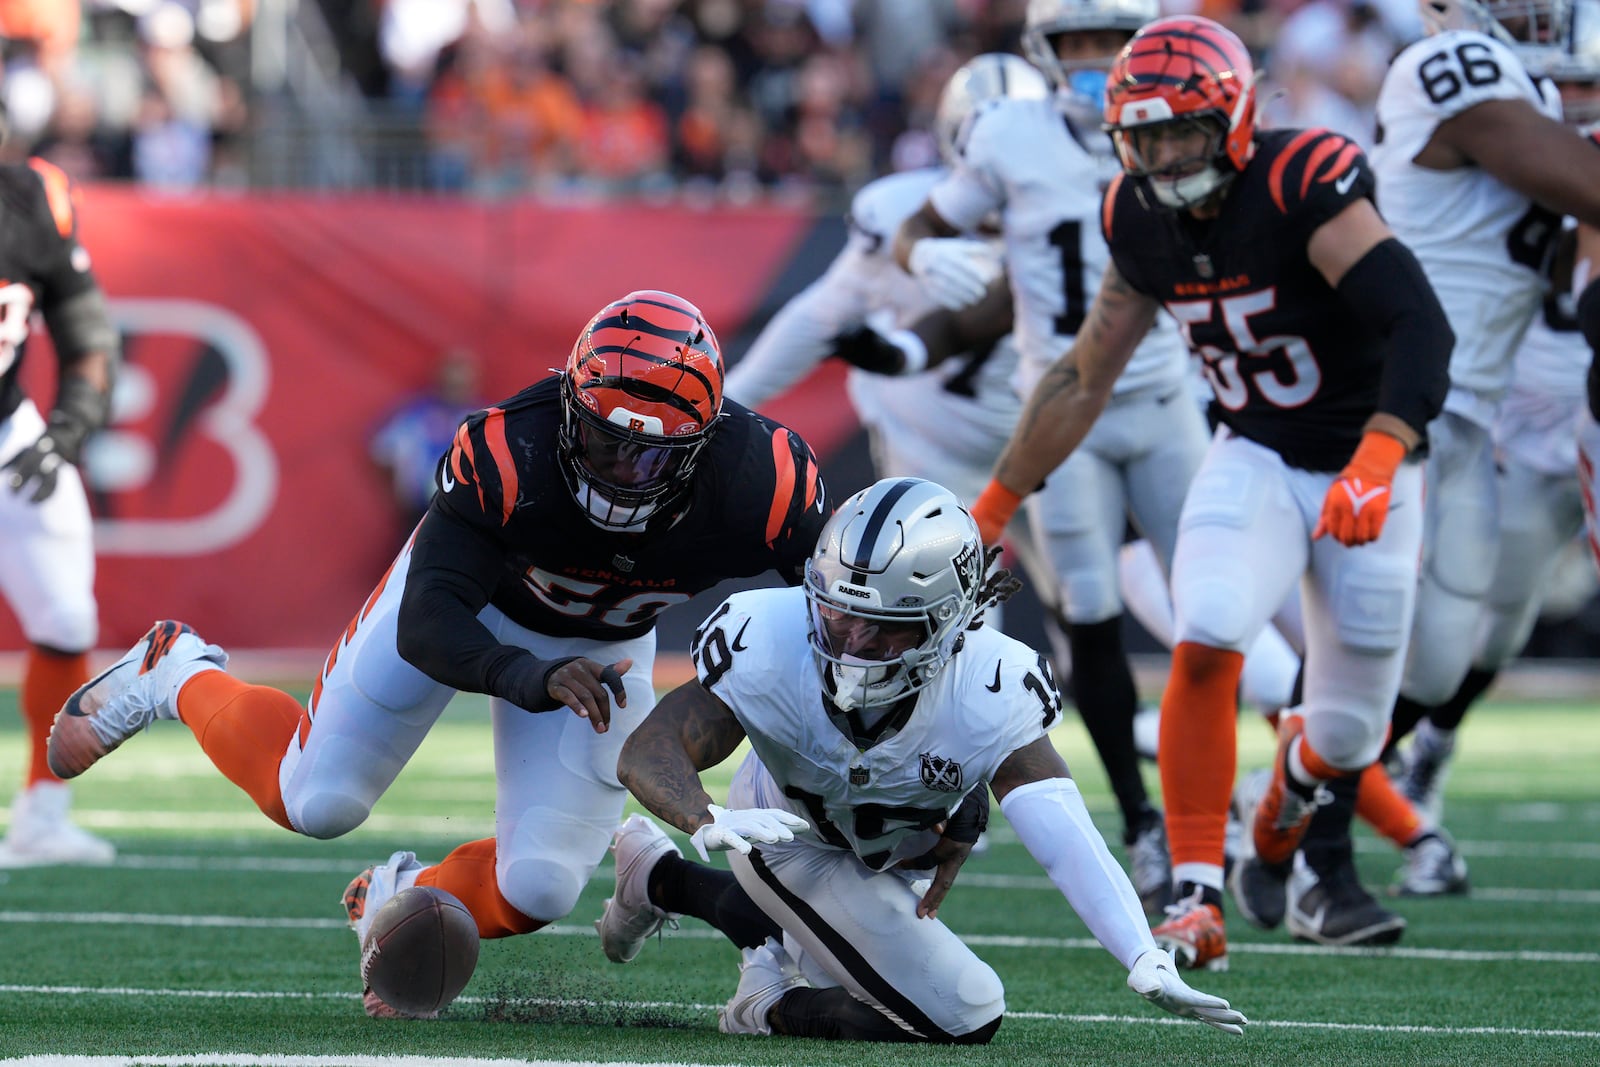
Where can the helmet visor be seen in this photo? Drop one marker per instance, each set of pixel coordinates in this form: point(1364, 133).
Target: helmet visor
point(844, 635)
point(620, 462)
point(1172, 149)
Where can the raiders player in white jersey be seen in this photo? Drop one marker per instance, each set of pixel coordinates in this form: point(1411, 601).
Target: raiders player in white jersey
point(1536, 446)
point(949, 423)
point(879, 714)
point(1042, 166)
point(1473, 170)
point(1586, 286)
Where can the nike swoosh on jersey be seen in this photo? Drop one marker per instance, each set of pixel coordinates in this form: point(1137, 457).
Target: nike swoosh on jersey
point(738, 638)
point(1343, 184)
point(994, 687)
point(446, 482)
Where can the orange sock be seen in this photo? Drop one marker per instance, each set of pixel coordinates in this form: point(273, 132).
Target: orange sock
point(1315, 765)
point(244, 729)
point(1385, 809)
point(48, 679)
point(1198, 720)
point(468, 874)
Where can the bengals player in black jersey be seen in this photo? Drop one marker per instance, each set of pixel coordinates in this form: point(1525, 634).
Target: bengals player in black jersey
point(567, 519)
point(1327, 351)
point(47, 563)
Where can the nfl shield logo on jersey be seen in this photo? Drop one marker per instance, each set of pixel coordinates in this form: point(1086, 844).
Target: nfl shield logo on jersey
point(941, 774)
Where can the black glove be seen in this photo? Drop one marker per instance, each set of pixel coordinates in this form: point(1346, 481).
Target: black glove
point(868, 349)
point(80, 409)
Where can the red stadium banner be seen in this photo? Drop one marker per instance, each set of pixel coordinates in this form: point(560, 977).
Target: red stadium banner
point(266, 338)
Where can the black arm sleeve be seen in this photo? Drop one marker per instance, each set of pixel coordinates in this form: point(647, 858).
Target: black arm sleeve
point(1589, 323)
point(1388, 293)
point(453, 573)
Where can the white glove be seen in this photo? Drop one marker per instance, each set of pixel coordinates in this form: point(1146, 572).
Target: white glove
point(736, 829)
point(955, 272)
point(1155, 978)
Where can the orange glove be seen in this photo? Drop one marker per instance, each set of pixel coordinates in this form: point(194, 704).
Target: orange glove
point(993, 510)
point(1358, 500)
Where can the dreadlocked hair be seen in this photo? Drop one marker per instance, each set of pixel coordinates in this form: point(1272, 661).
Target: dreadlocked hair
point(998, 587)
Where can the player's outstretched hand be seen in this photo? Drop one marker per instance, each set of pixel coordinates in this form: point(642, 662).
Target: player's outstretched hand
point(955, 272)
point(1155, 978)
point(581, 685)
point(738, 828)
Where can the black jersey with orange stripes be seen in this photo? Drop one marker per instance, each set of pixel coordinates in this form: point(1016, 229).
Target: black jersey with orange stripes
point(41, 262)
point(757, 504)
point(1289, 366)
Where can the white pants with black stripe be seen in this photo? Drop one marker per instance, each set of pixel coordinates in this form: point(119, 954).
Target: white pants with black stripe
point(848, 925)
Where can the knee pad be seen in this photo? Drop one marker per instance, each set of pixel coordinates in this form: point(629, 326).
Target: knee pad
point(325, 815)
point(1089, 597)
point(542, 887)
point(547, 858)
point(980, 994)
point(1345, 739)
point(65, 626)
point(1211, 612)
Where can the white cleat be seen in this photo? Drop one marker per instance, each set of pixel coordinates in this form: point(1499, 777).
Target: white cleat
point(41, 834)
point(629, 919)
point(766, 974)
point(1433, 868)
point(127, 697)
point(372, 888)
point(366, 893)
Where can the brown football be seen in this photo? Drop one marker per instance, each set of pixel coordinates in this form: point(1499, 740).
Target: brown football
point(420, 950)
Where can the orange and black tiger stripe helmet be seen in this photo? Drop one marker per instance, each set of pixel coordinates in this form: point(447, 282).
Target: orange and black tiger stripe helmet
point(642, 393)
point(1179, 68)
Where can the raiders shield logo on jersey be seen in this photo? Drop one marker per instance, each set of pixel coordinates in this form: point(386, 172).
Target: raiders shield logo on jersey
point(941, 774)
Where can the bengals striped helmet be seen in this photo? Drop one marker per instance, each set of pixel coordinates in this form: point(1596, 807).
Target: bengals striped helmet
point(641, 396)
point(1183, 82)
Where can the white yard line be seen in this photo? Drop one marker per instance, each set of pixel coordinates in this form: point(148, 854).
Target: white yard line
point(70, 918)
point(399, 1061)
point(243, 1059)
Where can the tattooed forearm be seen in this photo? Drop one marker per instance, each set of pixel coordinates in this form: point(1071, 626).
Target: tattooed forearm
point(661, 762)
point(1034, 762)
point(1057, 386)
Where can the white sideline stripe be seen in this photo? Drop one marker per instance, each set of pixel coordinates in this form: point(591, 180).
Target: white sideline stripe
point(968, 878)
point(1046, 1016)
point(247, 1060)
point(979, 940)
point(1503, 894)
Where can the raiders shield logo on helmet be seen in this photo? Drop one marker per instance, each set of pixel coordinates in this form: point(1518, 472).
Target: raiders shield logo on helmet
point(941, 774)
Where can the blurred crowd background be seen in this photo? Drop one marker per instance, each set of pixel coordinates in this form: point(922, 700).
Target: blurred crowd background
point(723, 101)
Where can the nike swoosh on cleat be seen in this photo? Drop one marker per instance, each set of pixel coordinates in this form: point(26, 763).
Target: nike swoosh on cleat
point(994, 687)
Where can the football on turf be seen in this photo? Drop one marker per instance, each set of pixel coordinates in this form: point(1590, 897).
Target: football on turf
point(420, 950)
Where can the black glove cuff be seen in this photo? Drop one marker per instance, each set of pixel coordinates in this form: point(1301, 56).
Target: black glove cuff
point(80, 410)
point(971, 818)
point(869, 350)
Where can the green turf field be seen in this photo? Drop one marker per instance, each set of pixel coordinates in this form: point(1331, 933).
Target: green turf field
point(218, 935)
